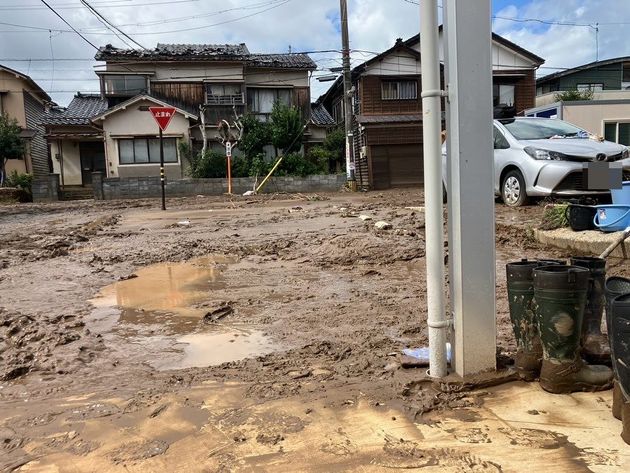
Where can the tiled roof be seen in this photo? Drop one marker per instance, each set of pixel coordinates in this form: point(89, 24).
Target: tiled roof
point(81, 109)
point(389, 118)
point(175, 52)
point(320, 116)
point(288, 61)
point(207, 52)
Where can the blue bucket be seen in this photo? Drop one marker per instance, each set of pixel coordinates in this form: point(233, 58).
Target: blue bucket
point(612, 218)
point(621, 196)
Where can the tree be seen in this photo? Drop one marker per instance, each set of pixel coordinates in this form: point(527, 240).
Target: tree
point(574, 95)
point(286, 128)
point(11, 144)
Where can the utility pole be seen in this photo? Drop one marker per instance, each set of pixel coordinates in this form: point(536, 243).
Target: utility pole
point(347, 87)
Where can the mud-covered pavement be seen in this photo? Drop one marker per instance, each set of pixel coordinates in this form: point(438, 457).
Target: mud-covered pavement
point(253, 334)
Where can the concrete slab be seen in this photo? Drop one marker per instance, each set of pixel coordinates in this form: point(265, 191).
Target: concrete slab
point(590, 242)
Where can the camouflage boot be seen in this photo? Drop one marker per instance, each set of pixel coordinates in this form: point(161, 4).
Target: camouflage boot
point(560, 298)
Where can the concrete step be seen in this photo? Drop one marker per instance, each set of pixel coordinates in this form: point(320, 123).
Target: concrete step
point(76, 193)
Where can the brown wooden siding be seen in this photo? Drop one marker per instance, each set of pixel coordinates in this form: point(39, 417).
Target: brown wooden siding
point(302, 100)
point(38, 147)
point(524, 88)
point(394, 134)
point(190, 93)
point(373, 104)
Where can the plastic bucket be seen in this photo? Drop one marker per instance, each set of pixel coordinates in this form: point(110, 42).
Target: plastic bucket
point(621, 196)
point(612, 218)
point(580, 217)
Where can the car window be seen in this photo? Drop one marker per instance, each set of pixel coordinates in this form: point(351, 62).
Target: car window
point(541, 128)
point(499, 140)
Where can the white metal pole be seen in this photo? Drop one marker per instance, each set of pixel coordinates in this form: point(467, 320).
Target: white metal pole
point(468, 47)
point(434, 231)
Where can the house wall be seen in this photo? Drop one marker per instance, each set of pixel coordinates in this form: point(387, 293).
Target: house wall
point(182, 71)
point(373, 104)
point(71, 161)
point(592, 115)
point(550, 98)
point(13, 99)
point(396, 63)
point(37, 147)
point(609, 75)
point(133, 122)
point(275, 78)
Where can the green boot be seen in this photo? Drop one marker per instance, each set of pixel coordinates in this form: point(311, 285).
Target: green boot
point(560, 298)
point(520, 288)
point(595, 346)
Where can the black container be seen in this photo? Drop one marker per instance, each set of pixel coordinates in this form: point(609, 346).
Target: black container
point(580, 217)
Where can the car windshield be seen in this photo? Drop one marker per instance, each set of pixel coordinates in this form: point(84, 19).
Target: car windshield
point(541, 128)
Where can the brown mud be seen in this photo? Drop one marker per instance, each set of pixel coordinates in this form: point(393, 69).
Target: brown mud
point(265, 334)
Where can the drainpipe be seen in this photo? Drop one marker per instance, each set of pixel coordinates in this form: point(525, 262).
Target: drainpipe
point(60, 151)
point(434, 219)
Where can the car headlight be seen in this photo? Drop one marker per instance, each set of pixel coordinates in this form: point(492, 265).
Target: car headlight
point(544, 154)
point(625, 154)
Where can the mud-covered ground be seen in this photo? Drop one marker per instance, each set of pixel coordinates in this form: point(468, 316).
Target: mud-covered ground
point(330, 299)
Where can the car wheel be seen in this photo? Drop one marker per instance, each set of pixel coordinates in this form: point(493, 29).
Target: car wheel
point(513, 189)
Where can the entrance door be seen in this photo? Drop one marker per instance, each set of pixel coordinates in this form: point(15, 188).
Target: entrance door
point(92, 159)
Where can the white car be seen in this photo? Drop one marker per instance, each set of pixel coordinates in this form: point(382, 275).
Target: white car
point(539, 157)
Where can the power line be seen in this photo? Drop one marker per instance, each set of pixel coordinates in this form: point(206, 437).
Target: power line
point(119, 4)
point(72, 27)
point(108, 24)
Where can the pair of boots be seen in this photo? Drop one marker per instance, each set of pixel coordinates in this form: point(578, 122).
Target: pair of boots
point(618, 321)
point(547, 307)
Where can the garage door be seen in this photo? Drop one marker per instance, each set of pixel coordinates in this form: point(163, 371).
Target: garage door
point(397, 166)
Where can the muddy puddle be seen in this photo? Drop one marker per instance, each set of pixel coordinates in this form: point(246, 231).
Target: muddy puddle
point(158, 316)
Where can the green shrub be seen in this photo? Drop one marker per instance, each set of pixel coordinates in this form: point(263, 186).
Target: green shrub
point(211, 164)
point(256, 136)
point(286, 127)
point(21, 181)
point(294, 164)
point(573, 95)
point(322, 157)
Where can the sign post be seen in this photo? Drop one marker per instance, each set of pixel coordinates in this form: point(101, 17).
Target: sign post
point(162, 116)
point(228, 154)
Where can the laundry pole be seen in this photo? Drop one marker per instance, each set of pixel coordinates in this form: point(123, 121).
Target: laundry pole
point(434, 220)
point(470, 164)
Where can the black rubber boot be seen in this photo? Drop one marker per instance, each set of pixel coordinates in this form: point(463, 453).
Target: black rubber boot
point(615, 286)
point(619, 338)
point(520, 288)
point(595, 346)
point(559, 301)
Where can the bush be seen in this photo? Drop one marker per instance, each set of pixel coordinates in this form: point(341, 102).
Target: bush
point(21, 181)
point(573, 95)
point(286, 128)
point(294, 164)
point(256, 136)
point(321, 157)
point(211, 164)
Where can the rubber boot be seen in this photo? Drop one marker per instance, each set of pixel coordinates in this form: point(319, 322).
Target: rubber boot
point(615, 286)
point(619, 337)
point(617, 401)
point(595, 346)
point(549, 261)
point(560, 298)
point(625, 422)
point(520, 288)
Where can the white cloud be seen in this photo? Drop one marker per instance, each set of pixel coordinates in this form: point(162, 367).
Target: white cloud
point(302, 24)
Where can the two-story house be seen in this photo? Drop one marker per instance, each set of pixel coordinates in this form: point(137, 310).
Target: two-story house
point(387, 107)
point(116, 133)
point(21, 98)
point(605, 111)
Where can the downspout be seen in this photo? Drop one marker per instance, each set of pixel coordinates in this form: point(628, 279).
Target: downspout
point(434, 218)
point(60, 150)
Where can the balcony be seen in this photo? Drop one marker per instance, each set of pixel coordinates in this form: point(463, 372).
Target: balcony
point(232, 99)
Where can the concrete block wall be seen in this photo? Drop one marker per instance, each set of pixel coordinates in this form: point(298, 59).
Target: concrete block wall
point(46, 189)
point(144, 187)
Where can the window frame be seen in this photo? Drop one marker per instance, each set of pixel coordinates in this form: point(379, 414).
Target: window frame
point(388, 82)
point(616, 123)
point(498, 96)
point(224, 99)
point(594, 86)
point(146, 140)
point(276, 90)
point(125, 92)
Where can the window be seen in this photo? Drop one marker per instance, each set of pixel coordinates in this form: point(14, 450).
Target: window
point(619, 132)
point(594, 87)
point(128, 85)
point(539, 128)
point(625, 76)
point(146, 150)
point(503, 94)
point(260, 101)
point(499, 140)
point(399, 90)
point(224, 94)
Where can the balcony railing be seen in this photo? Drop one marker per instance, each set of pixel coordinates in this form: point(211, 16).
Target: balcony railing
point(236, 99)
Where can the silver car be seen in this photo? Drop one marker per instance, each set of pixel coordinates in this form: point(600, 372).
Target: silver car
point(538, 157)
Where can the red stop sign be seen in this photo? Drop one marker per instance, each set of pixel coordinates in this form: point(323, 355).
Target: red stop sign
point(162, 115)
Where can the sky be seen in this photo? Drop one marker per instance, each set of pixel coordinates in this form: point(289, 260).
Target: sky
point(566, 33)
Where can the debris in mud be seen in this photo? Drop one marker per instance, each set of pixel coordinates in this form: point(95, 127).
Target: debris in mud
point(219, 313)
point(383, 225)
point(136, 451)
point(365, 217)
